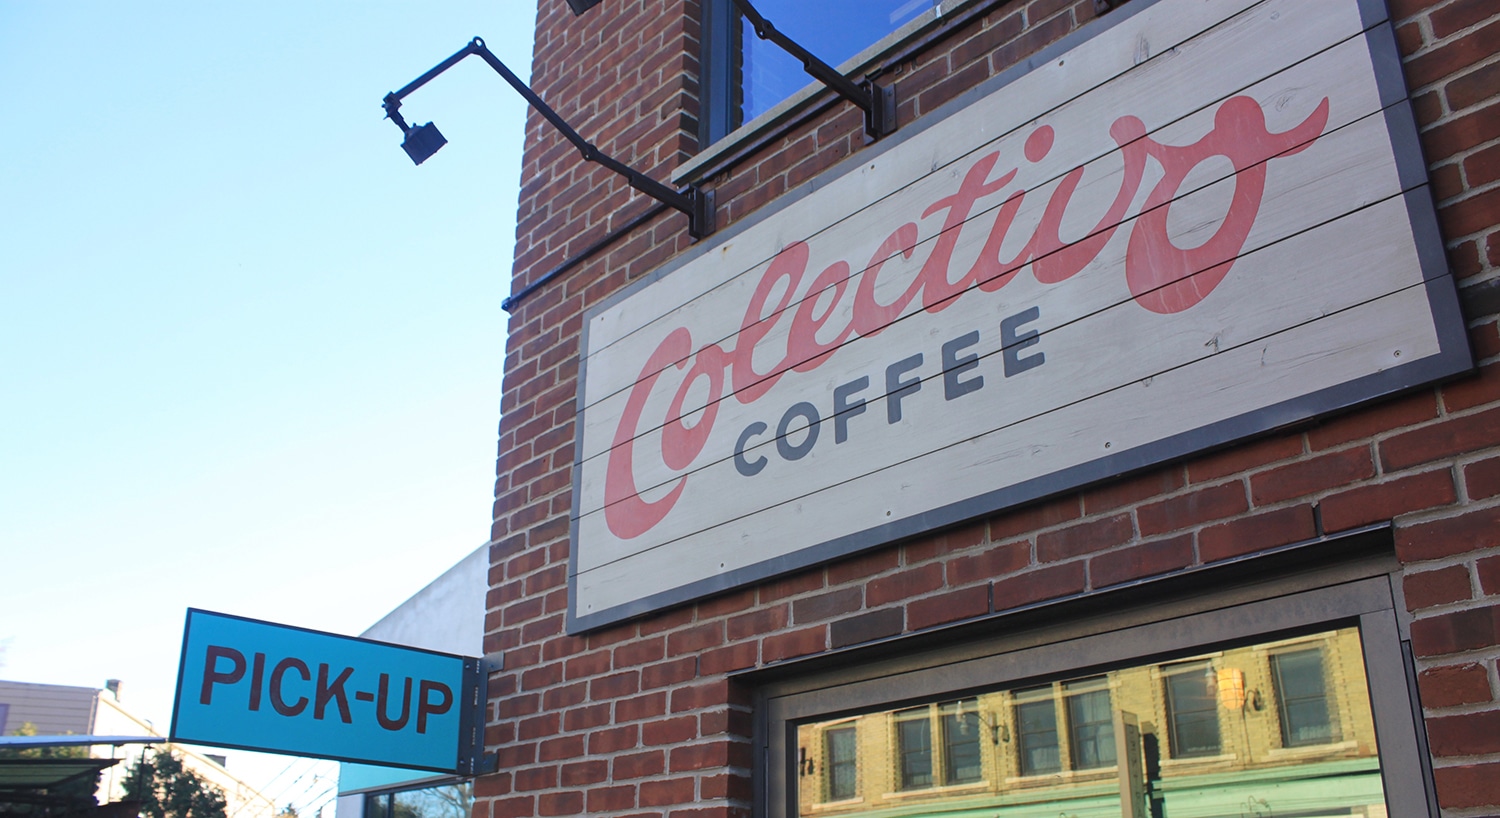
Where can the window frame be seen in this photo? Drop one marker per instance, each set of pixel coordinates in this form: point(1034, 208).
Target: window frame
point(1181, 616)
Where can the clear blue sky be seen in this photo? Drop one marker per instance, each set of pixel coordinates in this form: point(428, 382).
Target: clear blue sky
point(250, 356)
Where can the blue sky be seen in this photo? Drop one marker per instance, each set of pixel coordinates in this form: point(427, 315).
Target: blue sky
point(250, 356)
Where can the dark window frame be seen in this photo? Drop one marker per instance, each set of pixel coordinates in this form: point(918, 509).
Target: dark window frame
point(1305, 588)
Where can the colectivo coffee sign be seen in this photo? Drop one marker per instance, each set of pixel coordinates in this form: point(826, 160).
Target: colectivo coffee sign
point(1195, 221)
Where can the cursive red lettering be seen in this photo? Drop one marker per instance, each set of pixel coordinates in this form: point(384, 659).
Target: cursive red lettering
point(1161, 278)
point(626, 514)
point(870, 316)
point(989, 272)
point(802, 339)
point(1056, 260)
point(938, 293)
point(1166, 279)
point(789, 264)
point(680, 443)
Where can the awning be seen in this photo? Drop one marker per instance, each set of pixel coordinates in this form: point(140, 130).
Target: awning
point(42, 773)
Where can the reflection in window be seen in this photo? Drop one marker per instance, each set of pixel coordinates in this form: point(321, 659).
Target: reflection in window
point(1192, 710)
point(1301, 698)
point(841, 763)
point(961, 762)
point(1091, 722)
point(448, 801)
point(1036, 731)
point(1228, 715)
point(914, 742)
point(758, 74)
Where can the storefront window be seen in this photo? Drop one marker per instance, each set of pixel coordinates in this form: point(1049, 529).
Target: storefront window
point(753, 75)
point(1203, 733)
point(447, 801)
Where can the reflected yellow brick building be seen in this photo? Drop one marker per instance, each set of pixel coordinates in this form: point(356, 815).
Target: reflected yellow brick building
point(1274, 728)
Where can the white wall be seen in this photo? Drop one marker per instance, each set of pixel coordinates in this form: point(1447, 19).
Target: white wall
point(447, 616)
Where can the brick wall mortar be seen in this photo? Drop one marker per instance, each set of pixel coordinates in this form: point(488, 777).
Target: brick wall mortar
point(1209, 507)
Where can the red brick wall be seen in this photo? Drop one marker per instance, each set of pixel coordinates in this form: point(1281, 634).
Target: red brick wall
point(638, 719)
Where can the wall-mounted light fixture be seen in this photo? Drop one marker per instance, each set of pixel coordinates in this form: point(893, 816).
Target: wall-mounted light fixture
point(421, 142)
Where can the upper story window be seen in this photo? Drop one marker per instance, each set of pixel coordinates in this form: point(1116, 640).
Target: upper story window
point(1036, 731)
point(1090, 723)
point(842, 763)
point(745, 76)
point(914, 740)
point(961, 763)
point(1302, 698)
point(1192, 710)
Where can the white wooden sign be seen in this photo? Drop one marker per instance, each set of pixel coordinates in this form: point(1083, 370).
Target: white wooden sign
point(1191, 222)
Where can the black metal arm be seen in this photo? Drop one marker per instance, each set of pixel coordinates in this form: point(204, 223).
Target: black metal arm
point(697, 204)
point(878, 103)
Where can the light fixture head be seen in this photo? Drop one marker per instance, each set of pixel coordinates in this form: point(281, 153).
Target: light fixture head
point(580, 6)
point(422, 142)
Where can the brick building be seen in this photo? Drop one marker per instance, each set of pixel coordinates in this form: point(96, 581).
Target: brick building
point(684, 632)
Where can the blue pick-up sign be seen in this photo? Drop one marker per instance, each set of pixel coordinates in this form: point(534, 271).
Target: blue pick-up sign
point(257, 685)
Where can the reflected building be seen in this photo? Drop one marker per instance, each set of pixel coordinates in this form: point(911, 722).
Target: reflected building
point(1212, 734)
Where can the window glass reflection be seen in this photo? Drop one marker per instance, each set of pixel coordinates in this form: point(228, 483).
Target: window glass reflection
point(914, 738)
point(1302, 698)
point(447, 801)
point(1284, 726)
point(842, 769)
point(834, 30)
point(1092, 724)
point(961, 742)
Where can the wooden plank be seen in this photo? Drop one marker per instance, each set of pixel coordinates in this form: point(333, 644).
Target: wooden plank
point(1353, 170)
point(1262, 302)
point(1322, 352)
point(1295, 90)
point(1188, 76)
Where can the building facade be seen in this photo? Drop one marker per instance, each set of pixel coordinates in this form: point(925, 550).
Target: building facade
point(1112, 429)
point(444, 616)
point(67, 710)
